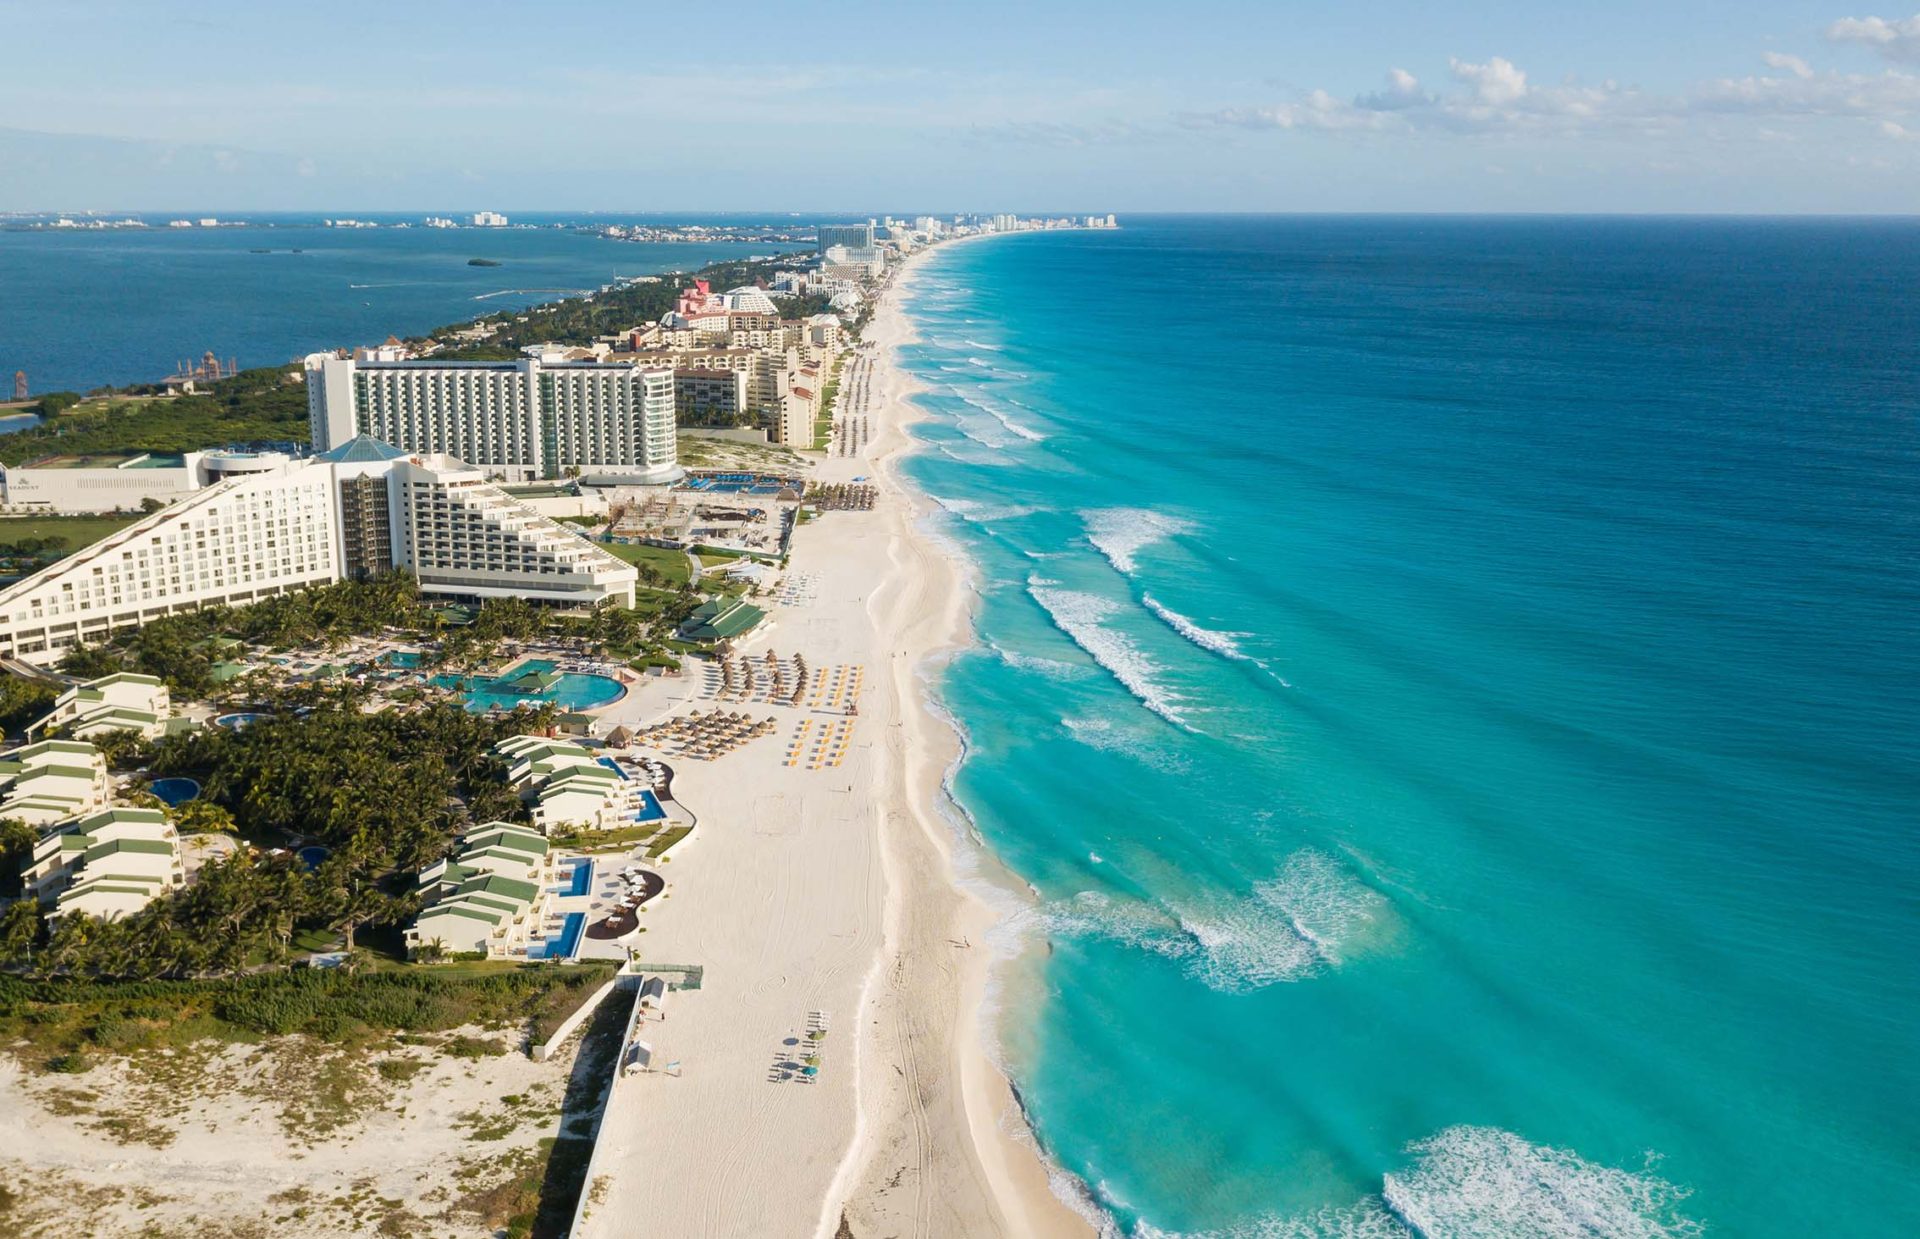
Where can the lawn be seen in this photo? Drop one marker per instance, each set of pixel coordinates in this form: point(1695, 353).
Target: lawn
point(672, 565)
point(619, 839)
point(79, 531)
point(665, 842)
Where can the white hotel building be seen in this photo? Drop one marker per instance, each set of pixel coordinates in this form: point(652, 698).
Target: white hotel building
point(517, 420)
point(361, 509)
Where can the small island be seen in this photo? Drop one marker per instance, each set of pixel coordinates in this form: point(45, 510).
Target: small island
point(482, 262)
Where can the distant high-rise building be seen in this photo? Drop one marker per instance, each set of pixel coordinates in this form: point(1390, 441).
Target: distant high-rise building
point(489, 219)
point(847, 236)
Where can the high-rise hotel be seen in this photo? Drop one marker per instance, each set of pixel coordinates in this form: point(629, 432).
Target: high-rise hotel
point(355, 511)
point(516, 420)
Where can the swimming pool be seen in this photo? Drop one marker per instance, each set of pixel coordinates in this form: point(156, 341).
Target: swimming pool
point(238, 722)
point(566, 944)
point(582, 882)
point(534, 682)
point(312, 855)
point(408, 659)
point(175, 791)
point(650, 810)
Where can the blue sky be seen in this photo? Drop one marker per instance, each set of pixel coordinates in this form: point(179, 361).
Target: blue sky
point(1288, 105)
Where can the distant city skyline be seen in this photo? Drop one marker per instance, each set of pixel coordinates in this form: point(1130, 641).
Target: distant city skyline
point(1231, 106)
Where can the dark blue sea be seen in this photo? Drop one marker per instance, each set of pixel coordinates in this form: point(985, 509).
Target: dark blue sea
point(1450, 685)
point(85, 308)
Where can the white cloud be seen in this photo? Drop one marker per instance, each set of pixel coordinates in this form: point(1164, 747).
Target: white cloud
point(1495, 83)
point(1898, 39)
point(1792, 64)
point(1497, 97)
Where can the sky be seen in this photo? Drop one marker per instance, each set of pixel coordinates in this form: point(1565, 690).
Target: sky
point(1762, 106)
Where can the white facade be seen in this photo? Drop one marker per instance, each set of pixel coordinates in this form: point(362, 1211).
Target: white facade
point(108, 864)
point(565, 785)
point(518, 420)
point(51, 781)
point(120, 702)
point(310, 523)
point(461, 535)
point(231, 544)
point(100, 484)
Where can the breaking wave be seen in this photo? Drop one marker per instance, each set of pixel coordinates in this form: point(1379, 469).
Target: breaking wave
point(1053, 668)
point(1120, 533)
point(1304, 920)
point(1485, 1183)
point(976, 511)
point(1079, 616)
point(1025, 432)
point(1209, 639)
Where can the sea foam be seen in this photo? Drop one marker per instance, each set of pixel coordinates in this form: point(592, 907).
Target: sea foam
point(1485, 1183)
point(1304, 920)
point(1121, 533)
point(1079, 615)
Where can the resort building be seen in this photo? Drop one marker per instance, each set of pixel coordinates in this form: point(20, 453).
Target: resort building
point(721, 619)
point(846, 236)
point(488, 897)
point(52, 780)
point(566, 786)
point(515, 420)
point(711, 397)
point(119, 702)
point(99, 482)
point(461, 535)
point(362, 508)
point(107, 864)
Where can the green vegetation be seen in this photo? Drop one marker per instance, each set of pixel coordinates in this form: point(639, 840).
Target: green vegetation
point(70, 1021)
point(669, 566)
point(605, 840)
point(23, 702)
point(579, 320)
point(667, 839)
point(252, 406)
point(29, 541)
point(386, 793)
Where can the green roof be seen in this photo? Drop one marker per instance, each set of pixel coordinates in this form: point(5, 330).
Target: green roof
point(120, 813)
point(494, 884)
point(512, 840)
point(460, 909)
point(152, 847)
point(50, 772)
point(720, 619)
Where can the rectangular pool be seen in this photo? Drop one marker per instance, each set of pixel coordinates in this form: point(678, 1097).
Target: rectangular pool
point(566, 944)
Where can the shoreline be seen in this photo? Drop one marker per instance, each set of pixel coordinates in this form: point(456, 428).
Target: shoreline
point(932, 908)
point(839, 897)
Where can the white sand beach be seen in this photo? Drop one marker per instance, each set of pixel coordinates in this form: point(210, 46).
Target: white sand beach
point(831, 891)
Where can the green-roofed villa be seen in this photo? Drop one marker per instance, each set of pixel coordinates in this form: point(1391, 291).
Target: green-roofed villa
point(491, 896)
point(106, 864)
point(120, 702)
point(567, 785)
point(721, 619)
point(50, 781)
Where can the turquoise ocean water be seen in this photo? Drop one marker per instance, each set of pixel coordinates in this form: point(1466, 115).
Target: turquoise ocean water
point(1450, 685)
